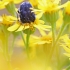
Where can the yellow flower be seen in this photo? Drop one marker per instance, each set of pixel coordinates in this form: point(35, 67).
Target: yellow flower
point(36, 43)
point(66, 44)
point(34, 3)
point(28, 19)
point(31, 41)
point(67, 9)
point(39, 24)
point(49, 6)
point(50, 9)
point(7, 20)
point(66, 14)
point(37, 40)
point(3, 3)
point(44, 39)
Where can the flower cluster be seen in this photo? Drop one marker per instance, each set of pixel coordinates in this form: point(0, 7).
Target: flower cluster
point(41, 29)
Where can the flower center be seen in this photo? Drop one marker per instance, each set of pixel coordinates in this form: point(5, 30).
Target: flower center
point(26, 16)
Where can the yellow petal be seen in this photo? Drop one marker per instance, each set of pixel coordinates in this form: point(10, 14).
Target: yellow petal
point(17, 1)
point(43, 33)
point(13, 27)
point(20, 28)
point(34, 37)
point(37, 21)
point(67, 54)
point(66, 48)
point(42, 27)
point(39, 15)
point(41, 42)
point(2, 6)
point(26, 27)
point(45, 27)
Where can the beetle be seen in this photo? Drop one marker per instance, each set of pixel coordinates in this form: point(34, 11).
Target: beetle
point(25, 13)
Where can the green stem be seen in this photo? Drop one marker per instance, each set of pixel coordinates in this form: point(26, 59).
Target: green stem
point(27, 43)
point(12, 47)
point(58, 58)
point(6, 52)
point(53, 32)
point(22, 37)
point(60, 33)
point(5, 47)
point(53, 41)
point(54, 45)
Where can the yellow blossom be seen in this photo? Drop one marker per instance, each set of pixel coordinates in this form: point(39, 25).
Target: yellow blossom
point(66, 14)
point(7, 20)
point(35, 40)
point(32, 40)
point(34, 3)
point(66, 44)
point(44, 39)
point(39, 24)
point(67, 9)
point(49, 6)
point(3, 3)
point(50, 9)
